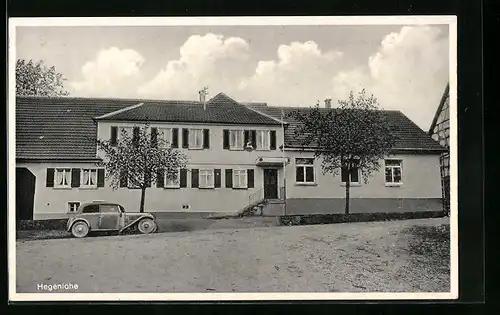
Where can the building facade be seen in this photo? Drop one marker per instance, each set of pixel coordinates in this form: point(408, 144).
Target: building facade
point(235, 161)
point(440, 132)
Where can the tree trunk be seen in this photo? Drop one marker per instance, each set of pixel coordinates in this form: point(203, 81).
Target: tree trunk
point(143, 197)
point(347, 188)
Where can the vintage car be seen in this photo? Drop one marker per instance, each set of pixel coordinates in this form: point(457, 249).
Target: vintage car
point(101, 216)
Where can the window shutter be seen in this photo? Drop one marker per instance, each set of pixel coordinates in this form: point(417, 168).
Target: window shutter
point(175, 137)
point(100, 177)
point(273, 140)
point(254, 138)
point(206, 138)
point(229, 178)
point(75, 177)
point(185, 138)
point(250, 178)
point(344, 175)
point(123, 178)
point(135, 136)
point(195, 178)
point(183, 179)
point(49, 181)
point(114, 136)
point(160, 178)
point(246, 137)
point(225, 139)
point(154, 137)
point(147, 178)
point(218, 179)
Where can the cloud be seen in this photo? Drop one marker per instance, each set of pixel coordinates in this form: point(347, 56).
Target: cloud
point(301, 75)
point(113, 72)
point(409, 73)
point(209, 60)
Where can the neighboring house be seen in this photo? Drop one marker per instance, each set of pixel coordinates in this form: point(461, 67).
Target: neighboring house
point(440, 131)
point(56, 153)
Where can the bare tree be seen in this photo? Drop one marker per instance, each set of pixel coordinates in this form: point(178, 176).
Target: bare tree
point(355, 136)
point(139, 159)
point(37, 79)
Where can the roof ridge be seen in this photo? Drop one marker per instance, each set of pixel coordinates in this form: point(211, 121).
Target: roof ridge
point(119, 111)
point(102, 98)
point(266, 115)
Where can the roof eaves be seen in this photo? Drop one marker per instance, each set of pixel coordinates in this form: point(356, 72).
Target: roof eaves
point(118, 111)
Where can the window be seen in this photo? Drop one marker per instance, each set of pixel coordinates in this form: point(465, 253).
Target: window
point(353, 176)
point(91, 209)
point(196, 138)
point(240, 179)
point(236, 139)
point(165, 134)
point(63, 177)
point(263, 140)
point(304, 170)
point(89, 177)
point(73, 206)
point(206, 179)
point(128, 132)
point(173, 183)
point(393, 174)
point(109, 209)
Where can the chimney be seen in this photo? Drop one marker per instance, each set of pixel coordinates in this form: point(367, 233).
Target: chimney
point(328, 103)
point(203, 93)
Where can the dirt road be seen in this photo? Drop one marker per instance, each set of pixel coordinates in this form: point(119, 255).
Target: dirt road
point(397, 256)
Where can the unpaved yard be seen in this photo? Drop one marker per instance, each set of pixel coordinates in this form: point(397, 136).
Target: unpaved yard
point(396, 256)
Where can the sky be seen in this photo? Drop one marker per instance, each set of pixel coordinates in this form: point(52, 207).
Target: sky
point(405, 67)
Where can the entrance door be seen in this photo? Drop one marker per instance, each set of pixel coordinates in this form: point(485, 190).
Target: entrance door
point(270, 183)
point(25, 193)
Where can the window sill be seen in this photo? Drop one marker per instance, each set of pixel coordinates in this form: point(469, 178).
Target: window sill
point(306, 184)
point(173, 187)
point(63, 188)
point(206, 187)
point(236, 149)
point(88, 187)
point(351, 184)
point(393, 184)
point(196, 148)
point(263, 149)
point(240, 188)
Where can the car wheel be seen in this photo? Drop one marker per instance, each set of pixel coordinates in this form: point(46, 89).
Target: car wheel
point(146, 226)
point(80, 229)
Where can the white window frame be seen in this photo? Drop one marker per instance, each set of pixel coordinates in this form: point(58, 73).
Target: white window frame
point(193, 138)
point(236, 145)
point(174, 184)
point(304, 166)
point(167, 134)
point(65, 171)
point(392, 167)
point(90, 185)
point(206, 178)
point(263, 141)
point(73, 203)
point(240, 178)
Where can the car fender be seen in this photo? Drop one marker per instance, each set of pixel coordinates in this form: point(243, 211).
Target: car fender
point(149, 216)
point(73, 221)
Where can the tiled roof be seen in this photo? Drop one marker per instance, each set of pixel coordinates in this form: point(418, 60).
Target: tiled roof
point(220, 109)
point(410, 136)
point(60, 127)
point(64, 128)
